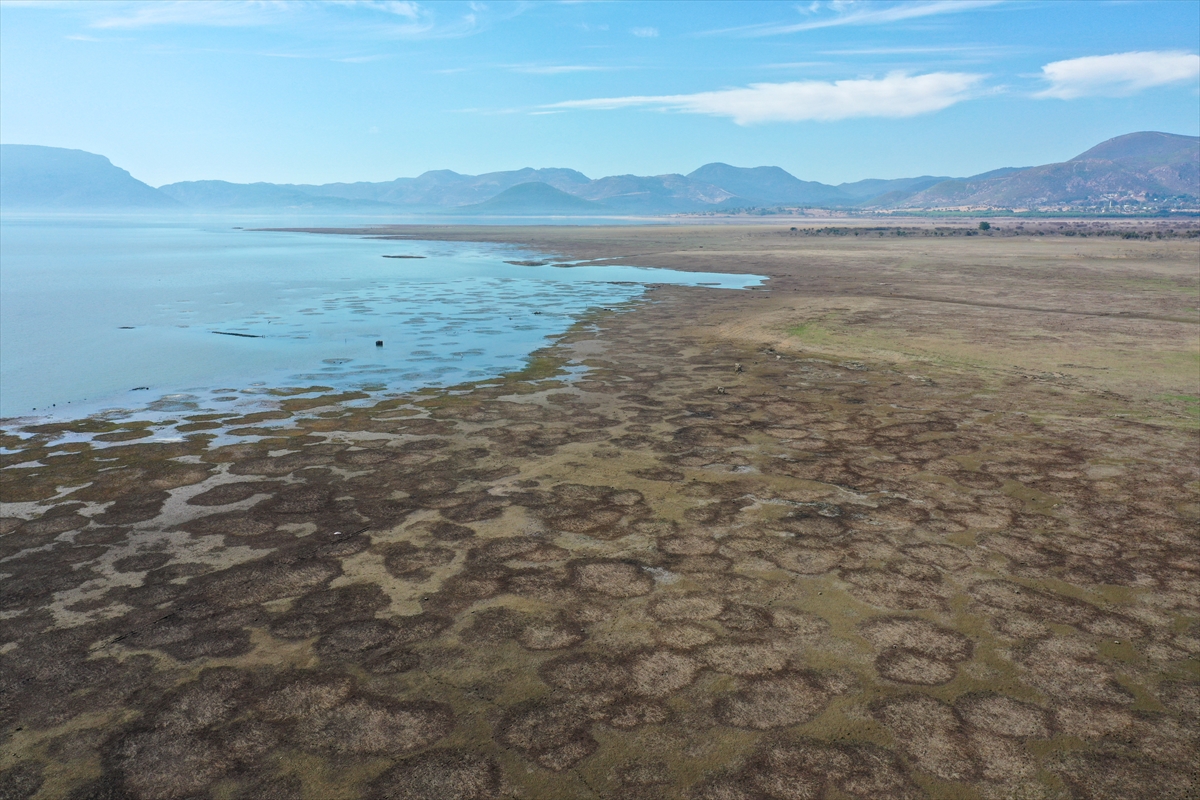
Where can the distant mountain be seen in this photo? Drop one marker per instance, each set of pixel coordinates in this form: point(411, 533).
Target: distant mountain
point(259, 196)
point(442, 188)
point(32, 176)
point(534, 199)
point(658, 194)
point(1147, 170)
point(768, 186)
point(873, 187)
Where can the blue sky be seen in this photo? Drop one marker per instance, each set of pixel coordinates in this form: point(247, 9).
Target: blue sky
point(831, 91)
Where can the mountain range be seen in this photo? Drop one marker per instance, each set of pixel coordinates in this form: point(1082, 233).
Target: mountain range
point(1146, 171)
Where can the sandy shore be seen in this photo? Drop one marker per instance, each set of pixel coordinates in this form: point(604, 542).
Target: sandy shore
point(916, 519)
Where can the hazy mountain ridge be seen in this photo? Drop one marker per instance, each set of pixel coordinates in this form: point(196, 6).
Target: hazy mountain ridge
point(222, 194)
point(1146, 171)
point(534, 198)
point(768, 185)
point(32, 176)
point(445, 188)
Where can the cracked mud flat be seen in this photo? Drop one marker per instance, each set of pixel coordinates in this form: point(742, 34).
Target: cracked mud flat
point(915, 556)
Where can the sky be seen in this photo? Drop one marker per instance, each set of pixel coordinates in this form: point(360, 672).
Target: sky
point(315, 92)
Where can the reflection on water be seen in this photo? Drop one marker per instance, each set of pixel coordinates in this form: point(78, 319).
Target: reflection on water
point(179, 317)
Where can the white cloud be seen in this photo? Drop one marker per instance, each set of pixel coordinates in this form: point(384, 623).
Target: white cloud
point(851, 12)
point(645, 33)
point(1118, 74)
point(897, 95)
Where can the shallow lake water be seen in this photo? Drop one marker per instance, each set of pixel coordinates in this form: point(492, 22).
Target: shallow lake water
point(142, 314)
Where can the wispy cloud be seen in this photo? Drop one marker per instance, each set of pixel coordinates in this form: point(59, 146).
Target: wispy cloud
point(796, 65)
point(400, 8)
point(897, 95)
point(556, 69)
point(1119, 73)
point(852, 12)
point(904, 51)
point(374, 19)
point(216, 13)
point(645, 33)
point(362, 59)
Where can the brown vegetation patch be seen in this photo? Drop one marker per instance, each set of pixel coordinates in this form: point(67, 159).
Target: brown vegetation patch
point(133, 508)
point(660, 474)
point(889, 589)
point(258, 582)
point(660, 673)
point(690, 545)
point(375, 725)
point(917, 635)
point(226, 493)
point(808, 560)
point(1111, 776)
point(784, 699)
point(439, 775)
point(553, 735)
point(906, 666)
point(930, 734)
point(810, 770)
point(1004, 716)
point(683, 637)
point(232, 524)
point(744, 659)
point(687, 607)
point(406, 560)
point(142, 562)
point(304, 499)
point(1065, 668)
point(612, 578)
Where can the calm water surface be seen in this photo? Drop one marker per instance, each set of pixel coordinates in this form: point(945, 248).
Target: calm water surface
point(102, 313)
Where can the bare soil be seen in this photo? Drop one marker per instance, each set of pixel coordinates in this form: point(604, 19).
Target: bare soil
point(916, 519)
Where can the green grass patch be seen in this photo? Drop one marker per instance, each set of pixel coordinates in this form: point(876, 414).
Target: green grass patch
point(1191, 401)
point(809, 332)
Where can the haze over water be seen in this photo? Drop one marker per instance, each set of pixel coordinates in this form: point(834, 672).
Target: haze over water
point(93, 309)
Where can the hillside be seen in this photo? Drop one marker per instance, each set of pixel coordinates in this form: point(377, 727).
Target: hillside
point(657, 194)
point(533, 199)
point(32, 176)
point(1148, 170)
point(259, 196)
point(445, 188)
point(768, 186)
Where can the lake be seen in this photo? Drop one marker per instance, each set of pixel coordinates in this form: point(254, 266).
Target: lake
point(130, 315)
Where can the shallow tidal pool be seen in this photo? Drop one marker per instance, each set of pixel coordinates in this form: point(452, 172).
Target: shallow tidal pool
point(123, 315)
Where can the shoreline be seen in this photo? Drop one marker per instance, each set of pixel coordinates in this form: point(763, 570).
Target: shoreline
point(894, 524)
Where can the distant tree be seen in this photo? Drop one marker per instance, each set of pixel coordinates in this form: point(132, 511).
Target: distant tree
point(985, 226)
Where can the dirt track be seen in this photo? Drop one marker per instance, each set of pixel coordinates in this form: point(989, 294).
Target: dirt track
point(821, 540)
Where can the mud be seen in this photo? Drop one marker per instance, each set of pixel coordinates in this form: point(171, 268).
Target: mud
point(727, 560)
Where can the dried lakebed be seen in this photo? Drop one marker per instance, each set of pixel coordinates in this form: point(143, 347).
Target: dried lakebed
point(708, 567)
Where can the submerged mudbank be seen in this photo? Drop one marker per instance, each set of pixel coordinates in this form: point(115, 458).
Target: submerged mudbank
point(701, 568)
